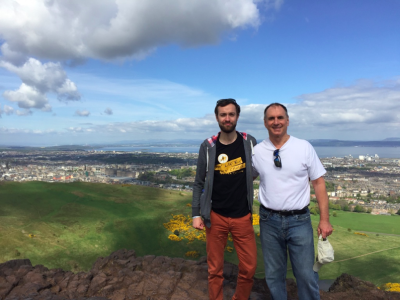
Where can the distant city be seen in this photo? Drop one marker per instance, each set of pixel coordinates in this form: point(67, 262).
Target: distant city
point(366, 180)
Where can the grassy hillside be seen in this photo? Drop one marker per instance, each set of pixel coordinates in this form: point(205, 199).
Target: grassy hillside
point(69, 225)
point(73, 224)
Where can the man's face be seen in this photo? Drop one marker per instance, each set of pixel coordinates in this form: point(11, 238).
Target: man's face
point(276, 121)
point(227, 118)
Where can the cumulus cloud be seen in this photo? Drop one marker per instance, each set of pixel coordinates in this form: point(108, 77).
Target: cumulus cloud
point(27, 97)
point(108, 111)
point(109, 29)
point(360, 111)
point(37, 80)
point(82, 113)
point(8, 110)
point(365, 110)
point(366, 103)
point(73, 31)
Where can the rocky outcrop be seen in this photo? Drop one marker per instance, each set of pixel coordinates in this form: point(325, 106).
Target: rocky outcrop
point(122, 275)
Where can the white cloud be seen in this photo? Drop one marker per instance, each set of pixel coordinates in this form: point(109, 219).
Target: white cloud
point(27, 97)
point(23, 113)
point(366, 103)
point(108, 111)
point(8, 110)
point(362, 111)
point(82, 113)
point(365, 110)
point(73, 31)
point(42, 79)
point(110, 29)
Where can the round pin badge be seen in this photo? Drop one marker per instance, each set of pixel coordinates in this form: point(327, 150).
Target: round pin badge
point(222, 158)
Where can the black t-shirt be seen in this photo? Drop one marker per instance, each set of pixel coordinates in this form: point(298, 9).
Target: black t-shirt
point(229, 195)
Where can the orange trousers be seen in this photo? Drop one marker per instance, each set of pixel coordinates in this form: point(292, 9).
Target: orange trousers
point(245, 244)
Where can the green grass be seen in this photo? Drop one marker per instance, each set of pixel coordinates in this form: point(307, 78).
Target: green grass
point(367, 222)
point(75, 223)
point(372, 258)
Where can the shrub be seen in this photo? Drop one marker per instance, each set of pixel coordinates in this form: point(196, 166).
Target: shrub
point(349, 229)
point(334, 214)
point(359, 209)
point(183, 225)
point(391, 287)
point(175, 238)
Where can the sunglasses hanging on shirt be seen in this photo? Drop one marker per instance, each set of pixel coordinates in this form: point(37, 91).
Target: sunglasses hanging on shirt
point(277, 159)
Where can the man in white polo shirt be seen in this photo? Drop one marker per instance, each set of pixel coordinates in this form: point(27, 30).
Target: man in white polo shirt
point(285, 165)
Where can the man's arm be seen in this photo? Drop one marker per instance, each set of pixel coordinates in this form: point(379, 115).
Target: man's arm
point(324, 227)
point(198, 187)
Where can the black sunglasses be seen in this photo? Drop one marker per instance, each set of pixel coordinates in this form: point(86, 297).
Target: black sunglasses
point(277, 159)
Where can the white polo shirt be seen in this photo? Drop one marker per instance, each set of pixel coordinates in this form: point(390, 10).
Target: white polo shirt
point(286, 188)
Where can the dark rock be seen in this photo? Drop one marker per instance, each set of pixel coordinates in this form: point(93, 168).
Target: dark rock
point(122, 276)
point(15, 264)
point(350, 287)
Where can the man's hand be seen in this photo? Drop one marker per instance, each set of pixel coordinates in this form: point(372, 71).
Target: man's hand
point(198, 223)
point(324, 228)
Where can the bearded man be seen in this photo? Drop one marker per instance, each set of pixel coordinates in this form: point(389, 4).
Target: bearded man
point(223, 200)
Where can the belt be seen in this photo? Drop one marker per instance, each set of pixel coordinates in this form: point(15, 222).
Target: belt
point(287, 212)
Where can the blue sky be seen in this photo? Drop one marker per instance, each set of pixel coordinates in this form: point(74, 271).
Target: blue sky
point(105, 71)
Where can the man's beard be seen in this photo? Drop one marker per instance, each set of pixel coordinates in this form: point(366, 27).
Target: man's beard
point(226, 130)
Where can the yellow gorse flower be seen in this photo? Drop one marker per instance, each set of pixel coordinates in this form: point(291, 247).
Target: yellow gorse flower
point(256, 219)
point(181, 227)
point(391, 287)
point(174, 237)
point(360, 233)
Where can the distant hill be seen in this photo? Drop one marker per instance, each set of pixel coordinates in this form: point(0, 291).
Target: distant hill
point(392, 139)
point(391, 142)
point(388, 142)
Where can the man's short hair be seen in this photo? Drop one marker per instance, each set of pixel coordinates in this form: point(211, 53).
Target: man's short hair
point(225, 102)
point(276, 104)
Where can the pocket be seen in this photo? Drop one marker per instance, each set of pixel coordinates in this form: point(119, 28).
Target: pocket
point(264, 214)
